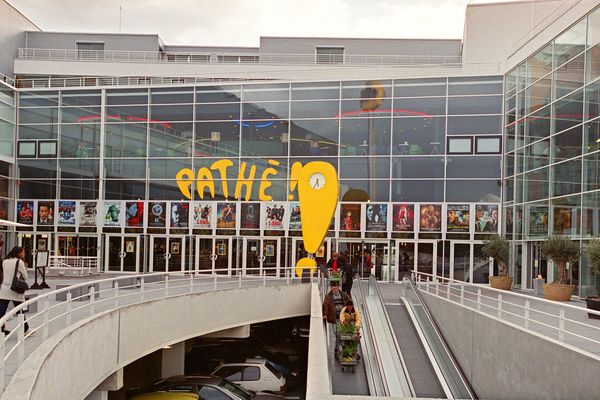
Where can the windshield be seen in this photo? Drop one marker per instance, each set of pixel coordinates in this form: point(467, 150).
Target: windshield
point(274, 370)
point(235, 389)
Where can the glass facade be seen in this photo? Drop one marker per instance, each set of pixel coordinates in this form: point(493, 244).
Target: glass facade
point(430, 145)
point(552, 150)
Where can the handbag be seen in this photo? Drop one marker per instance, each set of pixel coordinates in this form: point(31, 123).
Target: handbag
point(19, 284)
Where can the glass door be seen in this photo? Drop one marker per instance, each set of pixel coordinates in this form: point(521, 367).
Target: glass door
point(270, 256)
point(460, 261)
point(167, 253)
point(122, 253)
point(482, 266)
point(223, 256)
point(406, 259)
point(204, 254)
point(426, 256)
point(252, 256)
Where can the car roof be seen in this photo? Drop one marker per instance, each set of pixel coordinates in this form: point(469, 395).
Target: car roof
point(206, 379)
point(248, 362)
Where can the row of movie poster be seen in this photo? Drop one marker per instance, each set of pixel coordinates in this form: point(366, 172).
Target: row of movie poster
point(404, 217)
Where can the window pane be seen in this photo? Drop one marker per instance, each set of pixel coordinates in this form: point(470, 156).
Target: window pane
point(81, 141)
point(179, 112)
point(418, 167)
point(473, 167)
point(174, 140)
point(364, 167)
point(415, 136)
point(568, 111)
point(218, 112)
point(315, 91)
point(567, 144)
point(126, 140)
point(537, 125)
point(365, 136)
point(27, 149)
point(372, 190)
point(426, 106)
point(251, 373)
point(537, 155)
point(570, 43)
point(419, 87)
point(460, 145)
point(540, 64)
point(472, 190)
point(314, 137)
point(265, 138)
point(172, 96)
point(539, 95)
point(593, 28)
point(487, 145)
point(217, 139)
point(429, 190)
point(125, 190)
point(475, 124)
point(569, 77)
point(218, 94)
point(592, 172)
point(125, 168)
point(567, 177)
point(536, 185)
point(475, 105)
point(315, 109)
point(47, 149)
point(266, 110)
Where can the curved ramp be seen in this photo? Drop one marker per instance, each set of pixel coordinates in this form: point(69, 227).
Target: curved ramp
point(81, 356)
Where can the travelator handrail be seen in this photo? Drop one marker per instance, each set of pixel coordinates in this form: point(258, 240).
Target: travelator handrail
point(371, 357)
point(61, 308)
point(449, 372)
point(405, 381)
point(567, 323)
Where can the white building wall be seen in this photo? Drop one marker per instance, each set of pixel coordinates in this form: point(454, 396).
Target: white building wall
point(12, 35)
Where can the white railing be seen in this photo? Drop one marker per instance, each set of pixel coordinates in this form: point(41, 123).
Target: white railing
point(78, 264)
point(560, 321)
point(58, 309)
point(232, 58)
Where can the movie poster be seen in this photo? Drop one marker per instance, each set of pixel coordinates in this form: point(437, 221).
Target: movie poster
point(45, 213)
point(87, 213)
point(458, 218)
point(134, 214)
point(25, 212)
point(180, 215)
point(295, 221)
point(403, 218)
point(112, 213)
point(67, 210)
point(274, 215)
point(376, 217)
point(349, 217)
point(538, 221)
point(203, 214)
point(430, 218)
point(226, 215)
point(157, 214)
point(250, 216)
point(564, 220)
point(486, 218)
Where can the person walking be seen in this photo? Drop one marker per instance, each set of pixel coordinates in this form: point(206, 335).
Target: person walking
point(333, 303)
point(14, 261)
point(347, 276)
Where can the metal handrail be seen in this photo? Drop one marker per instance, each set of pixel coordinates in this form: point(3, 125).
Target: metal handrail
point(111, 293)
point(524, 316)
point(208, 57)
point(375, 373)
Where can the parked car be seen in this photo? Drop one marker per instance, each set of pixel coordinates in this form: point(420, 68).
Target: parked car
point(166, 396)
point(255, 374)
point(203, 387)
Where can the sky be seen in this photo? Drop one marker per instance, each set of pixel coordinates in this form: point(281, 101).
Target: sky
point(242, 22)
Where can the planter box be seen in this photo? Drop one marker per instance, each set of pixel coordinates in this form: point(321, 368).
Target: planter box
point(501, 282)
point(558, 292)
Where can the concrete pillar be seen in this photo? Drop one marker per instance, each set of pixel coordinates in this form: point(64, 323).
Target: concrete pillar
point(98, 395)
point(173, 360)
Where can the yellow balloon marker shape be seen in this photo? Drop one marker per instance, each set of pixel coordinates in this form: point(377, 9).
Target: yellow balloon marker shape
point(318, 195)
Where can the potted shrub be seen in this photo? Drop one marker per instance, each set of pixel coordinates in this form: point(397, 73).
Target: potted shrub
point(496, 247)
point(561, 250)
point(593, 251)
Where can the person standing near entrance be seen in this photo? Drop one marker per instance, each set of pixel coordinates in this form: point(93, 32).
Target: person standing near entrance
point(334, 263)
point(347, 275)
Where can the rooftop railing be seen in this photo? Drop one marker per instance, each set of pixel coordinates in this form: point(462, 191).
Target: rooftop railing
point(126, 56)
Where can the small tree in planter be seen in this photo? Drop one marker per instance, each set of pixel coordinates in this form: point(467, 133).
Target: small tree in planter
point(561, 250)
point(496, 247)
point(593, 251)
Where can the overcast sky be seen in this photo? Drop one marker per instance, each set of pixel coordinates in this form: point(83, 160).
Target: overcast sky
point(242, 22)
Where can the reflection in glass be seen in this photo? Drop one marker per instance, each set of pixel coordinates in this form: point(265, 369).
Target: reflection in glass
point(417, 167)
point(472, 190)
point(570, 43)
point(265, 138)
point(370, 189)
point(219, 139)
point(418, 190)
point(364, 168)
point(314, 137)
point(369, 136)
point(416, 136)
point(125, 140)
